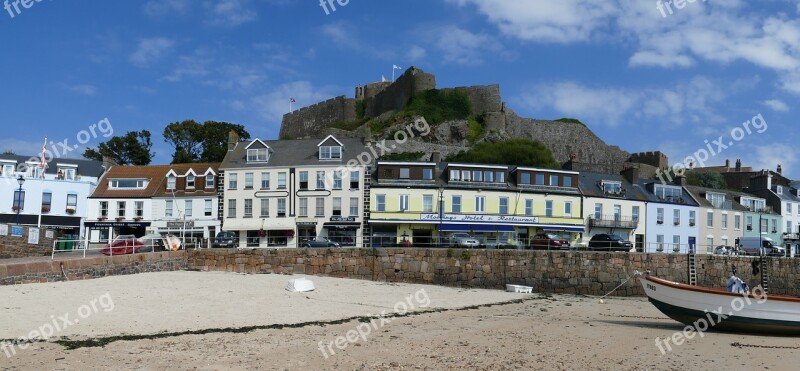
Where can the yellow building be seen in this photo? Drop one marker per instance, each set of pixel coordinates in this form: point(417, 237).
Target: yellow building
point(424, 203)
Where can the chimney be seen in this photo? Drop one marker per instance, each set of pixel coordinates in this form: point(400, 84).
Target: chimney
point(727, 165)
point(108, 163)
point(780, 169)
point(631, 174)
point(233, 138)
point(436, 157)
point(738, 165)
point(680, 180)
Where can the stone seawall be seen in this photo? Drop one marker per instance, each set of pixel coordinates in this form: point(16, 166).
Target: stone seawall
point(18, 247)
point(46, 270)
point(589, 273)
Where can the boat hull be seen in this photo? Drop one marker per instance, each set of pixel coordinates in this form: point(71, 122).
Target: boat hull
point(708, 309)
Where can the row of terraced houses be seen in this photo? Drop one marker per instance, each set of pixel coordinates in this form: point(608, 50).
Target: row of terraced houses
point(278, 194)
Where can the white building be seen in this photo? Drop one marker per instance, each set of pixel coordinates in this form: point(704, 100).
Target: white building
point(178, 199)
point(281, 193)
point(614, 205)
point(672, 214)
point(60, 197)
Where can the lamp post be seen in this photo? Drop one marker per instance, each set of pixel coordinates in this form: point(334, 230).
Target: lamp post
point(441, 214)
point(19, 200)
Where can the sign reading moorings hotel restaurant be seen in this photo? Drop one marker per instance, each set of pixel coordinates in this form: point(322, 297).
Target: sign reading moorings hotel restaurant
point(481, 218)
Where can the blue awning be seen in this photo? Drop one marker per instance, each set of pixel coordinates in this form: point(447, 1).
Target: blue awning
point(564, 228)
point(476, 228)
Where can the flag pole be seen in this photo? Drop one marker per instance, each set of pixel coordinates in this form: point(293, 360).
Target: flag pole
point(41, 188)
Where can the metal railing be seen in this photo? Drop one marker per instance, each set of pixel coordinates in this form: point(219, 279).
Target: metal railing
point(104, 247)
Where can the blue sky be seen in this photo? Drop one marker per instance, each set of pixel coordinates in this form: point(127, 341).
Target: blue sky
point(640, 78)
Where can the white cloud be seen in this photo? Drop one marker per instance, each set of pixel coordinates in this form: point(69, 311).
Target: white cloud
point(345, 35)
point(460, 46)
point(231, 12)
point(83, 89)
point(769, 157)
point(776, 105)
point(190, 66)
point(160, 8)
point(416, 53)
point(274, 104)
point(151, 49)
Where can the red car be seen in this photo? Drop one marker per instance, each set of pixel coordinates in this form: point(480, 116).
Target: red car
point(126, 244)
point(549, 241)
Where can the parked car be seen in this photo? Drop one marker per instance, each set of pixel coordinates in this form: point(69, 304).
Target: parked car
point(753, 245)
point(226, 239)
point(463, 240)
point(320, 243)
point(122, 245)
point(152, 242)
point(726, 250)
point(549, 241)
point(610, 242)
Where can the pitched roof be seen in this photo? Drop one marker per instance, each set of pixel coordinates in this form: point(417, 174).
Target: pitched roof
point(588, 182)
point(89, 168)
point(293, 153)
point(155, 174)
point(699, 192)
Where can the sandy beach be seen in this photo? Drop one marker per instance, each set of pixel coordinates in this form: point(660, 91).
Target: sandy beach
point(252, 322)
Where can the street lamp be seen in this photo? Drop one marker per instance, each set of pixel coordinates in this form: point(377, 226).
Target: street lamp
point(21, 181)
point(441, 213)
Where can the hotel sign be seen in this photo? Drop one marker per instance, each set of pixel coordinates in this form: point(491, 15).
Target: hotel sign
point(508, 219)
point(343, 218)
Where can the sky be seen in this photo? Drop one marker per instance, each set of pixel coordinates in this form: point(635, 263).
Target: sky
point(642, 74)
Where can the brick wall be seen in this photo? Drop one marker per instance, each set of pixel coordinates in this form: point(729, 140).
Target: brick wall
point(18, 247)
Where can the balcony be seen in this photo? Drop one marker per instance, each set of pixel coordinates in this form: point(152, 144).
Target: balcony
point(724, 205)
point(611, 221)
point(406, 182)
point(672, 199)
point(791, 236)
point(546, 189)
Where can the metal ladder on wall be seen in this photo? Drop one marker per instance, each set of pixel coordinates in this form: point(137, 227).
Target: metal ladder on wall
point(764, 274)
point(692, 267)
point(366, 232)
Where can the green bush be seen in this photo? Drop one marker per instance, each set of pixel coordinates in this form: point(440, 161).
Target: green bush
point(438, 106)
point(403, 156)
point(465, 255)
point(518, 152)
point(361, 109)
point(476, 130)
point(571, 121)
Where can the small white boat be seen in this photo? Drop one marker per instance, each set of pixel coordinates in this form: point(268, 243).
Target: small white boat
point(753, 312)
point(300, 285)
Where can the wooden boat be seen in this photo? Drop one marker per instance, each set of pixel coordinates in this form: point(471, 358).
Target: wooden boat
point(718, 309)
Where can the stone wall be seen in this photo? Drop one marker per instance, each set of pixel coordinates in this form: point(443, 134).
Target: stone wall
point(483, 98)
point(18, 247)
point(590, 273)
point(397, 95)
point(47, 270)
point(312, 120)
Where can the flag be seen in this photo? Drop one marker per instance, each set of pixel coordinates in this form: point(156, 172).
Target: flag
point(43, 163)
point(383, 78)
point(397, 67)
point(292, 100)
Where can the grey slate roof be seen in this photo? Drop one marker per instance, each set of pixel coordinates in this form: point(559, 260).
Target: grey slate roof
point(293, 153)
point(698, 193)
point(89, 168)
point(646, 185)
point(589, 181)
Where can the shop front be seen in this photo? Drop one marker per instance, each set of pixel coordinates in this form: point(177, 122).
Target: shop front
point(101, 232)
point(343, 230)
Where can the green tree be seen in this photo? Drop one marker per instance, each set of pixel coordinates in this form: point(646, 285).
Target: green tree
point(195, 142)
point(706, 179)
point(133, 148)
point(8, 152)
point(519, 152)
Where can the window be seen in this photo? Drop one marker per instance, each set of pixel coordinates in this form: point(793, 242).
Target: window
point(789, 208)
point(528, 207)
point(139, 209)
point(466, 175)
point(330, 153)
point(248, 208)
point(612, 188)
point(568, 208)
point(128, 184)
point(660, 242)
point(500, 177)
point(171, 182)
point(455, 175)
point(710, 244)
point(548, 208)
point(456, 207)
point(304, 180)
point(188, 208)
point(668, 192)
point(248, 180)
point(477, 176)
point(264, 206)
point(209, 181)
point(47, 201)
point(660, 215)
point(788, 226)
point(525, 178)
point(480, 204)
point(774, 225)
point(169, 206)
point(539, 179)
point(598, 211)
point(380, 202)
point(190, 180)
point(353, 206)
point(403, 202)
point(749, 222)
point(355, 179)
point(676, 242)
point(427, 203)
point(710, 219)
point(104, 209)
point(265, 180)
point(320, 206)
point(72, 202)
point(233, 181)
point(337, 179)
point(303, 206)
point(724, 221)
point(554, 180)
point(6, 170)
point(503, 205)
point(567, 182)
point(635, 214)
point(427, 174)
point(716, 199)
point(281, 208)
point(209, 207)
point(780, 190)
point(320, 180)
point(692, 220)
point(120, 209)
point(725, 241)
point(737, 222)
point(282, 180)
point(676, 217)
point(488, 176)
point(257, 155)
point(337, 206)
point(764, 225)
point(405, 173)
point(231, 208)
point(617, 213)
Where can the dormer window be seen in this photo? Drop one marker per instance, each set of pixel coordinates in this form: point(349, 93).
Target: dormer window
point(780, 190)
point(128, 183)
point(209, 181)
point(330, 153)
point(190, 180)
point(611, 188)
point(66, 172)
point(171, 181)
point(257, 155)
point(7, 169)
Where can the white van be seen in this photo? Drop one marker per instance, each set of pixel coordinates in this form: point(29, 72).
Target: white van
point(753, 245)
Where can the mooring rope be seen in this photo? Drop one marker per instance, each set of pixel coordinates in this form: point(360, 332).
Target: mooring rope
point(615, 289)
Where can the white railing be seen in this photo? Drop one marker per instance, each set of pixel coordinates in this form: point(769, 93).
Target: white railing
point(62, 246)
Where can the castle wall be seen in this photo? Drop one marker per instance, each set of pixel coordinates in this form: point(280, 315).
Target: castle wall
point(483, 98)
point(314, 119)
point(655, 159)
point(397, 95)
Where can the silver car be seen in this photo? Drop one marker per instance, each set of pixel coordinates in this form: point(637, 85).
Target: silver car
point(464, 240)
